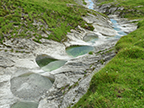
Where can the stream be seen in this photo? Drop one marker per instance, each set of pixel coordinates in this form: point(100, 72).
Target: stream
point(116, 26)
point(68, 72)
point(94, 39)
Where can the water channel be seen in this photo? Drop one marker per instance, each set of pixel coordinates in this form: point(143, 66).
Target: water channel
point(46, 63)
point(81, 50)
point(78, 50)
point(116, 26)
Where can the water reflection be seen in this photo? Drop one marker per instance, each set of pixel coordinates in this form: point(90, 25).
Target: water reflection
point(78, 50)
point(48, 64)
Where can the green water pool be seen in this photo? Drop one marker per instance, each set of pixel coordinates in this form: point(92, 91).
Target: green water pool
point(78, 50)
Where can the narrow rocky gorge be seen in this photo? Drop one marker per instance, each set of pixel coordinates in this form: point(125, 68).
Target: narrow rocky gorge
point(47, 75)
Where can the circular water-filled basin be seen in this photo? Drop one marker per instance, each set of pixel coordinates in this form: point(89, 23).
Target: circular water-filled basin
point(30, 86)
point(78, 50)
point(24, 105)
point(48, 63)
point(90, 37)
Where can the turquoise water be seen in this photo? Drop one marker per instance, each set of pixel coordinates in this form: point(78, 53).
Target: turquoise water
point(48, 64)
point(91, 4)
point(115, 24)
point(44, 61)
point(117, 28)
point(81, 50)
point(53, 65)
point(78, 50)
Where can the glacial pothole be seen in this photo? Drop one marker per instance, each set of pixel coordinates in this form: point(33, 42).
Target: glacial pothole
point(24, 105)
point(90, 37)
point(30, 86)
point(48, 63)
point(78, 50)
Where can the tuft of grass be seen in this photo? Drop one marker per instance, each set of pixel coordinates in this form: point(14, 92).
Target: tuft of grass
point(84, 2)
point(101, 61)
point(91, 52)
point(76, 84)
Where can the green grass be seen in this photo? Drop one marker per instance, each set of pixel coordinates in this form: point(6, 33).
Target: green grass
point(84, 2)
point(57, 17)
point(120, 84)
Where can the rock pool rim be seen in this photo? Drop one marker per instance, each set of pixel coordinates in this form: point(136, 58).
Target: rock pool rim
point(77, 46)
point(28, 104)
point(44, 57)
point(51, 78)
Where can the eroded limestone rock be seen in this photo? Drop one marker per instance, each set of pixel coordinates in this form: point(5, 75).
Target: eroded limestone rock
point(48, 63)
point(70, 81)
point(90, 37)
point(6, 62)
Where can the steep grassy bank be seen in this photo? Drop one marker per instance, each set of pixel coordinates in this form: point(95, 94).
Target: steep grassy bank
point(37, 19)
point(120, 84)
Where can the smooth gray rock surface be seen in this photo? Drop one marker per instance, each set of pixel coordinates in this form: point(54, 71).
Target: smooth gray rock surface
point(30, 86)
point(69, 82)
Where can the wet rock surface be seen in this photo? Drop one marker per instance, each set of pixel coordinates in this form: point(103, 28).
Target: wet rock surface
point(89, 37)
point(25, 105)
point(4, 62)
point(73, 79)
point(23, 80)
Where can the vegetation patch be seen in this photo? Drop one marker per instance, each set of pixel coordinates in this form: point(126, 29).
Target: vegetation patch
point(91, 52)
point(36, 19)
point(84, 2)
point(120, 83)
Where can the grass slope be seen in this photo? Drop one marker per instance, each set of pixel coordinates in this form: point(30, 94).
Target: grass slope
point(32, 18)
point(132, 8)
point(120, 84)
